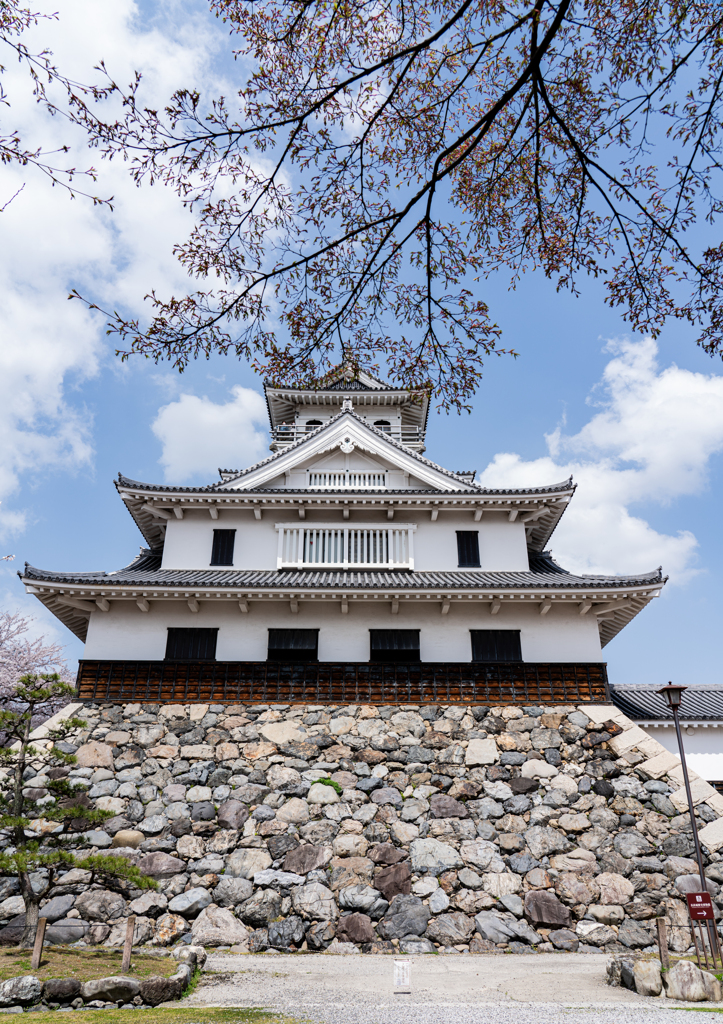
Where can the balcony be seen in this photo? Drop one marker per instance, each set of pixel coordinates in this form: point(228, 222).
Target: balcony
point(342, 479)
point(345, 547)
point(281, 437)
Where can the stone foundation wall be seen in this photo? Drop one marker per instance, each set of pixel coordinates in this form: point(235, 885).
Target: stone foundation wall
point(382, 828)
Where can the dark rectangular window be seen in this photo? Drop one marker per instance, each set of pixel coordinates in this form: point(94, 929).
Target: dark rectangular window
point(394, 645)
point(468, 549)
point(222, 551)
point(293, 645)
point(191, 644)
point(496, 645)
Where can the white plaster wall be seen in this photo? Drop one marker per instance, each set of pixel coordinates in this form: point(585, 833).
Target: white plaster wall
point(189, 540)
point(502, 544)
point(125, 632)
point(703, 747)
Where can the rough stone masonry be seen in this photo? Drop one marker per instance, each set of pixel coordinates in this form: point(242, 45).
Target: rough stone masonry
point(406, 828)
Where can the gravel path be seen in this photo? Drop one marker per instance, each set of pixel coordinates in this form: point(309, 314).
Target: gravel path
point(508, 989)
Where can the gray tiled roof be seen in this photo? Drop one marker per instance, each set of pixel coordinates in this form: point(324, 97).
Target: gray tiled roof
point(642, 703)
point(146, 571)
point(473, 489)
point(219, 488)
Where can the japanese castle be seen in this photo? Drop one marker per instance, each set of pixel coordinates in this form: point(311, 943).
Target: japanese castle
point(344, 567)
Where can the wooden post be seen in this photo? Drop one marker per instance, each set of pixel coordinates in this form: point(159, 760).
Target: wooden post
point(128, 946)
point(38, 947)
point(663, 942)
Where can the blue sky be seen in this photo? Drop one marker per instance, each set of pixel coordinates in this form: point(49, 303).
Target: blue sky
point(640, 424)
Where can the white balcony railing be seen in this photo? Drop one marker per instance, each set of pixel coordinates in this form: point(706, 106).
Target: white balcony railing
point(290, 432)
point(345, 547)
point(336, 479)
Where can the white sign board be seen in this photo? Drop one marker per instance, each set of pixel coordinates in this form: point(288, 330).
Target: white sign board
point(402, 979)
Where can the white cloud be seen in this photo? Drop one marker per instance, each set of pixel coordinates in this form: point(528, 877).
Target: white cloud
point(49, 347)
point(651, 441)
point(199, 435)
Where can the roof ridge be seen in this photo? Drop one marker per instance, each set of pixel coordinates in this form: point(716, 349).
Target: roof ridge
point(477, 488)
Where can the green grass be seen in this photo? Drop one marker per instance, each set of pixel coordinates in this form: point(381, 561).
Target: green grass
point(167, 1015)
point(83, 964)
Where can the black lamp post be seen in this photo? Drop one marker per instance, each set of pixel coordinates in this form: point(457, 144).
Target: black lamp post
point(672, 695)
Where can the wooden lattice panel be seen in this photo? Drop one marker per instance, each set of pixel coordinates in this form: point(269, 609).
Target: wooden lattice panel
point(229, 682)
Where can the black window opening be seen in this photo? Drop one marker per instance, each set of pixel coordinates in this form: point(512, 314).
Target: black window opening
point(397, 645)
point(222, 550)
point(293, 645)
point(468, 549)
point(313, 424)
point(496, 645)
point(191, 644)
point(384, 425)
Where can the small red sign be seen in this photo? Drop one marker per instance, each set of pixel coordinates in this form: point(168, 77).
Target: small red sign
point(700, 906)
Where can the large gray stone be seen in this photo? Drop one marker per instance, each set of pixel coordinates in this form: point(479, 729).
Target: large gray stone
point(22, 991)
point(394, 881)
point(451, 929)
point(443, 806)
point(161, 865)
point(356, 928)
point(544, 908)
point(320, 934)
point(685, 981)
point(482, 855)
point(143, 931)
point(691, 883)
point(100, 905)
point(485, 808)
point(57, 908)
point(647, 976)
point(307, 858)
point(564, 939)
point(407, 915)
point(543, 841)
point(525, 933)
point(631, 844)
point(245, 863)
point(61, 990)
point(259, 909)
point(387, 795)
point(492, 927)
point(281, 880)
point(211, 864)
point(358, 897)
point(634, 934)
point(216, 926)
point(191, 902)
point(68, 929)
point(150, 904)
point(429, 856)
point(232, 815)
point(157, 990)
point(314, 901)
point(231, 891)
point(111, 990)
point(290, 931)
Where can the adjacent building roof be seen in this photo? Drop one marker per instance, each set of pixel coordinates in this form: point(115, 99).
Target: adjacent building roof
point(642, 703)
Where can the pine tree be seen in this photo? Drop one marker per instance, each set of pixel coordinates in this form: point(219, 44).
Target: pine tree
point(34, 852)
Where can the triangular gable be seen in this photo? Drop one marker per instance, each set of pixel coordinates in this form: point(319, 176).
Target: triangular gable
point(348, 431)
